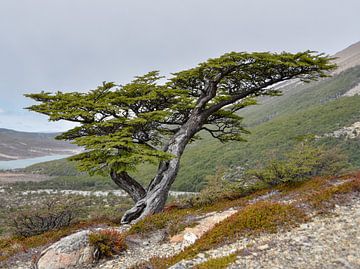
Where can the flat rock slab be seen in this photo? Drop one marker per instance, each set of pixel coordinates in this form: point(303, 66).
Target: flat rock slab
point(191, 234)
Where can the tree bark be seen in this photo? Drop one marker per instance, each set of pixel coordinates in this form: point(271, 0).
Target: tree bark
point(158, 189)
point(128, 184)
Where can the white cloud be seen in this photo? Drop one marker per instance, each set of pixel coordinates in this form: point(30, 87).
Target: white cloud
point(2, 110)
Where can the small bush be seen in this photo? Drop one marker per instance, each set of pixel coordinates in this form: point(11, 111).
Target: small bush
point(107, 243)
point(303, 162)
point(217, 189)
point(54, 215)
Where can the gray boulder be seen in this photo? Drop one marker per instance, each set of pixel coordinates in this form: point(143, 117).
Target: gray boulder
point(71, 251)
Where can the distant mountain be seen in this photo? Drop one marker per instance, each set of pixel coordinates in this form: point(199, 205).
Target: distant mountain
point(348, 57)
point(21, 145)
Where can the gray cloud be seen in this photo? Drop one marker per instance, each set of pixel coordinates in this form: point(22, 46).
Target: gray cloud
point(74, 45)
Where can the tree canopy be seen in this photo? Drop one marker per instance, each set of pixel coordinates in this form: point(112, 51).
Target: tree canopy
point(122, 126)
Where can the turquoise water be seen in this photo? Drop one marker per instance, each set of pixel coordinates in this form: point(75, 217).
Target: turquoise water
point(26, 162)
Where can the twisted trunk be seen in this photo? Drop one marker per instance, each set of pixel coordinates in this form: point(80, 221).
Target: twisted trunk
point(158, 189)
point(128, 184)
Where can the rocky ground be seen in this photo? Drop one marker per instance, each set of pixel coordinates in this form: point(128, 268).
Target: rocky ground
point(328, 241)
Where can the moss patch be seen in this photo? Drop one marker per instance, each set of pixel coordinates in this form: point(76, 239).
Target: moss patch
point(218, 263)
point(326, 198)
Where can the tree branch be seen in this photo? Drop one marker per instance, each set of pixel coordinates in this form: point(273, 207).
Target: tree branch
point(128, 184)
point(244, 94)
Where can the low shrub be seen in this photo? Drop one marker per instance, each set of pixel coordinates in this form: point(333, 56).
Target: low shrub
point(325, 198)
point(218, 189)
point(107, 243)
point(34, 221)
point(302, 162)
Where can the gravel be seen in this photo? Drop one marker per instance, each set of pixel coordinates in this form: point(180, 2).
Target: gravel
point(331, 242)
point(328, 241)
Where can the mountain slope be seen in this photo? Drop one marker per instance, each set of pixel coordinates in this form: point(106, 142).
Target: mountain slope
point(348, 57)
point(20, 145)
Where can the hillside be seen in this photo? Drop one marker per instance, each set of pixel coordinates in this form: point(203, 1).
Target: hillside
point(308, 224)
point(347, 58)
point(21, 145)
point(280, 228)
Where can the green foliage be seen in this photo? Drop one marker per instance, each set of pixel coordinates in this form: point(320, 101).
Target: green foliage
point(301, 97)
point(278, 133)
point(107, 243)
point(310, 108)
point(218, 263)
point(116, 123)
point(302, 162)
point(217, 189)
point(60, 167)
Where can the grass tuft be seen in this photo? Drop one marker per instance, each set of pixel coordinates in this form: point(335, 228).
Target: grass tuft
point(218, 263)
point(107, 243)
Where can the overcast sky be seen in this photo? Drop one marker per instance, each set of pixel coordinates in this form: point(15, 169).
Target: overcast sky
point(73, 45)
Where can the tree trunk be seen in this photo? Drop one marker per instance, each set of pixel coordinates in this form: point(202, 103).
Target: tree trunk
point(158, 189)
point(128, 184)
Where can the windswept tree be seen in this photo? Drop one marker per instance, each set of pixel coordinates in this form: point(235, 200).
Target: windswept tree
point(148, 120)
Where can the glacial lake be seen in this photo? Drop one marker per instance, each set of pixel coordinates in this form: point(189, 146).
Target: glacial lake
point(26, 162)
